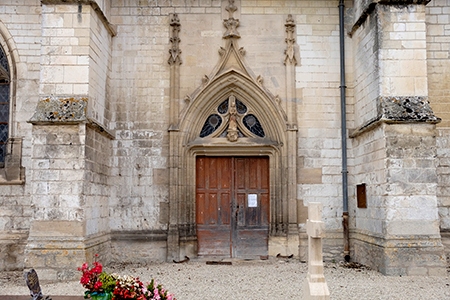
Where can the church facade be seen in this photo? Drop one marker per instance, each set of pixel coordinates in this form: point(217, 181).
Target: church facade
point(151, 130)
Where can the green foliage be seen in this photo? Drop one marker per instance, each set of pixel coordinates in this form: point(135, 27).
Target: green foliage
point(108, 281)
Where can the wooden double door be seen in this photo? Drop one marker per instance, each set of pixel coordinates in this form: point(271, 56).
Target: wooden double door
point(232, 206)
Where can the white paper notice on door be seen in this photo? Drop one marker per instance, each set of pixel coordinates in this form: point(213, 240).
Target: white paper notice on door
point(252, 200)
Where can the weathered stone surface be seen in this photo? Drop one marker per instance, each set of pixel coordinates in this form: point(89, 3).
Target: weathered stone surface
point(60, 110)
point(400, 257)
point(407, 109)
point(113, 170)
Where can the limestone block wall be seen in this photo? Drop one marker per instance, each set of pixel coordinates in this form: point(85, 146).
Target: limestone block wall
point(366, 62)
point(319, 139)
point(109, 180)
point(438, 60)
point(443, 172)
point(390, 60)
point(105, 7)
point(57, 178)
point(76, 46)
point(411, 181)
point(65, 46)
point(97, 188)
point(57, 200)
point(403, 65)
point(319, 163)
point(20, 39)
point(99, 67)
point(140, 82)
point(140, 119)
point(369, 168)
point(401, 178)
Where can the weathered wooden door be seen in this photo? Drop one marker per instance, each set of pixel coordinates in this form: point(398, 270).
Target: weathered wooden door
point(232, 206)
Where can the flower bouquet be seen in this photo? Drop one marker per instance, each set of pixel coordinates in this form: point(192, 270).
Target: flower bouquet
point(99, 285)
point(103, 286)
point(128, 287)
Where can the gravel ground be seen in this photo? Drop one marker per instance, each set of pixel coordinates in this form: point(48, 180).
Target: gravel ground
point(257, 280)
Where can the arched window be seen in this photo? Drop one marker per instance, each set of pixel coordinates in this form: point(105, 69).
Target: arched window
point(4, 104)
point(228, 111)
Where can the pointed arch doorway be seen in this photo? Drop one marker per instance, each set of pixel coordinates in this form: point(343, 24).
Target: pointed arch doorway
point(232, 206)
point(231, 115)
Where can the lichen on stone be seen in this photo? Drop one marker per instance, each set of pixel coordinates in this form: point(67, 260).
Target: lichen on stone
point(60, 110)
point(411, 108)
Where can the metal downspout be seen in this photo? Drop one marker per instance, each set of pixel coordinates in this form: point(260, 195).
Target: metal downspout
point(342, 88)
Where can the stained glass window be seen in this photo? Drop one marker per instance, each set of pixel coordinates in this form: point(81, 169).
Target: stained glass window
point(252, 124)
point(223, 107)
point(214, 121)
point(211, 125)
point(4, 104)
point(240, 107)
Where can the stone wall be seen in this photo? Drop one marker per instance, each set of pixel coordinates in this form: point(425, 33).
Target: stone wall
point(97, 187)
point(57, 201)
point(369, 168)
point(395, 152)
point(319, 165)
point(438, 35)
point(20, 33)
point(100, 165)
point(139, 95)
point(402, 43)
point(366, 61)
point(99, 42)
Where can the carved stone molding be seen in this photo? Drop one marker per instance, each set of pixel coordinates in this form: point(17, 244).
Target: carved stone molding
point(290, 41)
point(175, 51)
point(231, 23)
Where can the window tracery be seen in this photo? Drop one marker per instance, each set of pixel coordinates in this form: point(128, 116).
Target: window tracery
point(232, 119)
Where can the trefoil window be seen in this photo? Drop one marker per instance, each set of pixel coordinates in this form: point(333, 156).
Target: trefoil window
point(232, 119)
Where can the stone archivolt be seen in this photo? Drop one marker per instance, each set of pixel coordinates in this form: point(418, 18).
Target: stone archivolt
point(231, 79)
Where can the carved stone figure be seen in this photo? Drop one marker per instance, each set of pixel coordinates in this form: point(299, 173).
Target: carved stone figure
point(232, 132)
point(290, 41)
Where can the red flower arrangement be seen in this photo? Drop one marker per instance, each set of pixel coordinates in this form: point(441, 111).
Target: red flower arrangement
point(89, 279)
point(97, 282)
point(101, 285)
